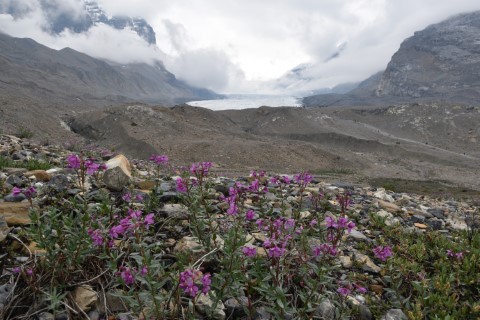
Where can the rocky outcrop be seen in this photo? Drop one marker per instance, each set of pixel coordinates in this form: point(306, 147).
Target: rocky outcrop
point(438, 64)
point(441, 62)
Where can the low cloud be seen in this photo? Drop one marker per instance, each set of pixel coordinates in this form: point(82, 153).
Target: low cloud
point(100, 41)
point(207, 68)
point(220, 43)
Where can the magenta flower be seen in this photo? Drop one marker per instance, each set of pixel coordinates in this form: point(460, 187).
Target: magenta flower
point(383, 253)
point(254, 186)
point(274, 180)
point(117, 231)
point(29, 272)
point(276, 252)
point(29, 192)
point(206, 282)
point(350, 226)
point(144, 271)
point(342, 222)
point(299, 230)
point(250, 214)
point(289, 224)
point(331, 223)
point(127, 197)
point(249, 252)
point(159, 159)
point(344, 291)
point(181, 186)
point(96, 237)
point(149, 219)
point(303, 179)
point(259, 223)
point(200, 168)
point(16, 270)
point(286, 180)
point(139, 197)
point(324, 249)
point(457, 255)
point(134, 214)
point(16, 191)
point(74, 161)
point(127, 276)
point(313, 223)
point(188, 279)
point(361, 289)
point(91, 166)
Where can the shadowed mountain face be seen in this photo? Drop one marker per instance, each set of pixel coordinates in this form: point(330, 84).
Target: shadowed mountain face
point(70, 77)
point(440, 63)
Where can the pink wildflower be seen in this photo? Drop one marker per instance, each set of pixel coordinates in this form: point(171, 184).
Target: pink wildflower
point(249, 251)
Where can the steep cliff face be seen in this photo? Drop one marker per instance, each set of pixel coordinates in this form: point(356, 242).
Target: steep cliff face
point(438, 64)
point(441, 61)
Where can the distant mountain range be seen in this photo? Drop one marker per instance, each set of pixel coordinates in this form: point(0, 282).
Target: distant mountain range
point(438, 64)
point(31, 70)
point(92, 14)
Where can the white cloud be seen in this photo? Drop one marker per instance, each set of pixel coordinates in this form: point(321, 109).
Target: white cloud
point(223, 43)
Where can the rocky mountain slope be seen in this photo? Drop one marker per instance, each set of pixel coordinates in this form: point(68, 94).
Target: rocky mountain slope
point(33, 70)
point(440, 63)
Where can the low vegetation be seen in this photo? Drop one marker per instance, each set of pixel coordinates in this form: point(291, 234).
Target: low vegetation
point(233, 251)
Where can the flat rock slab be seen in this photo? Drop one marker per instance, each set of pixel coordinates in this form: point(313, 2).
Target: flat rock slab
point(15, 213)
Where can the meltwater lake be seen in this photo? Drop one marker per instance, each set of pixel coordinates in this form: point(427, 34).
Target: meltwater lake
point(237, 102)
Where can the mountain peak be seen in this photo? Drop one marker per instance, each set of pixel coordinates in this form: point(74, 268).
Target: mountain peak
point(83, 15)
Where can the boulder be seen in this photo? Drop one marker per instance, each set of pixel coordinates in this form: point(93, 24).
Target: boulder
point(85, 297)
point(118, 173)
point(40, 175)
point(15, 213)
point(394, 314)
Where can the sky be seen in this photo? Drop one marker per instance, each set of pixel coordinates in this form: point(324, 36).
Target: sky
point(249, 46)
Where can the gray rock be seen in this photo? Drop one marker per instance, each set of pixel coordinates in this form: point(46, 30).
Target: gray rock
point(394, 314)
point(437, 212)
point(357, 236)
point(5, 291)
point(59, 182)
point(222, 189)
point(15, 198)
point(164, 186)
point(4, 228)
point(435, 224)
point(169, 197)
point(14, 180)
point(94, 315)
point(365, 313)
point(46, 316)
point(263, 314)
point(177, 211)
point(205, 306)
point(367, 263)
point(234, 307)
point(325, 310)
point(19, 155)
point(118, 173)
point(115, 179)
point(417, 218)
point(15, 171)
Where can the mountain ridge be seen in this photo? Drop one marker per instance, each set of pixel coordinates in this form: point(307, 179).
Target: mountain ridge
point(67, 75)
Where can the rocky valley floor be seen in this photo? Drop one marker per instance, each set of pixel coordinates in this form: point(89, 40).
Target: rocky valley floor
point(259, 246)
